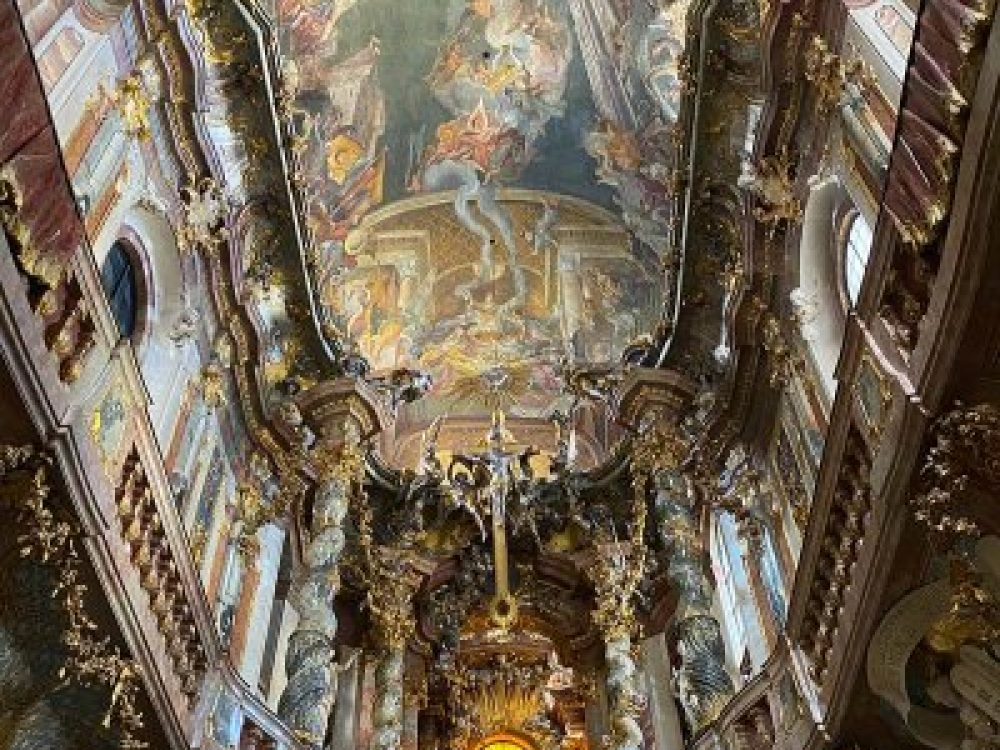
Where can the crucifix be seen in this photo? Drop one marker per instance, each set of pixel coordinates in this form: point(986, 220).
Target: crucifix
point(493, 481)
point(503, 607)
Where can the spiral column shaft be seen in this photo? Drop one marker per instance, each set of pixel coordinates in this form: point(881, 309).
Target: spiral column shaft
point(703, 681)
point(308, 698)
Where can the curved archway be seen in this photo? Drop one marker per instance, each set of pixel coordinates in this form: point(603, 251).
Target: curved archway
point(505, 741)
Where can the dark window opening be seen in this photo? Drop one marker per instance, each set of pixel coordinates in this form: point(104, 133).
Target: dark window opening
point(118, 278)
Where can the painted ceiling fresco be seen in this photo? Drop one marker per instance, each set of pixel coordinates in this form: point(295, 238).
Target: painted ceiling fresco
point(488, 181)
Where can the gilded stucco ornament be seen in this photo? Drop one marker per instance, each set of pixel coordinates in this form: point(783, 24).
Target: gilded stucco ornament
point(939, 641)
point(961, 466)
point(831, 75)
point(132, 100)
point(784, 361)
point(973, 614)
point(392, 582)
point(202, 225)
point(504, 695)
point(109, 424)
point(212, 384)
point(11, 200)
point(90, 660)
point(616, 575)
point(258, 503)
point(772, 183)
point(655, 450)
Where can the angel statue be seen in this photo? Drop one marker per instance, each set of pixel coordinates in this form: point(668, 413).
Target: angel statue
point(429, 474)
point(403, 386)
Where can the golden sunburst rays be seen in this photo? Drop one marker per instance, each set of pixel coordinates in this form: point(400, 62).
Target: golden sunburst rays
point(496, 386)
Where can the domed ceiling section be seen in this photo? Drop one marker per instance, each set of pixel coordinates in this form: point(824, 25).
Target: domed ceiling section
point(489, 186)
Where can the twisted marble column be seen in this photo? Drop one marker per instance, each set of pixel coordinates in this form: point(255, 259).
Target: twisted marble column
point(308, 697)
point(387, 711)
point(625, 699)
point(390, 593)
point(704, 684)
point(616, 575)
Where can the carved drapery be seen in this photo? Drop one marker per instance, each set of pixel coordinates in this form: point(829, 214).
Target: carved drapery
point(704, 684)
point(312, 676)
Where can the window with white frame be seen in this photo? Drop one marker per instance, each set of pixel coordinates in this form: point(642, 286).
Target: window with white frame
point(728, 585)
point(856, 254)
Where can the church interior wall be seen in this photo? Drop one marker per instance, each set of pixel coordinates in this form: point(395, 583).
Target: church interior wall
point(162, 453)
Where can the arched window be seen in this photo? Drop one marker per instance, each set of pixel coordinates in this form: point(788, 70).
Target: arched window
point(859, 245)
point(121, 286)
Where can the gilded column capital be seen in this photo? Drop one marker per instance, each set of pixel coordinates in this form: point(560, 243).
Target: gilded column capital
point(339, 460)
point(658, 452)
point(341, 410)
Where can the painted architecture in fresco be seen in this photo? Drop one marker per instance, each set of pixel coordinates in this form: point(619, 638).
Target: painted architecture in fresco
point(521, 122)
